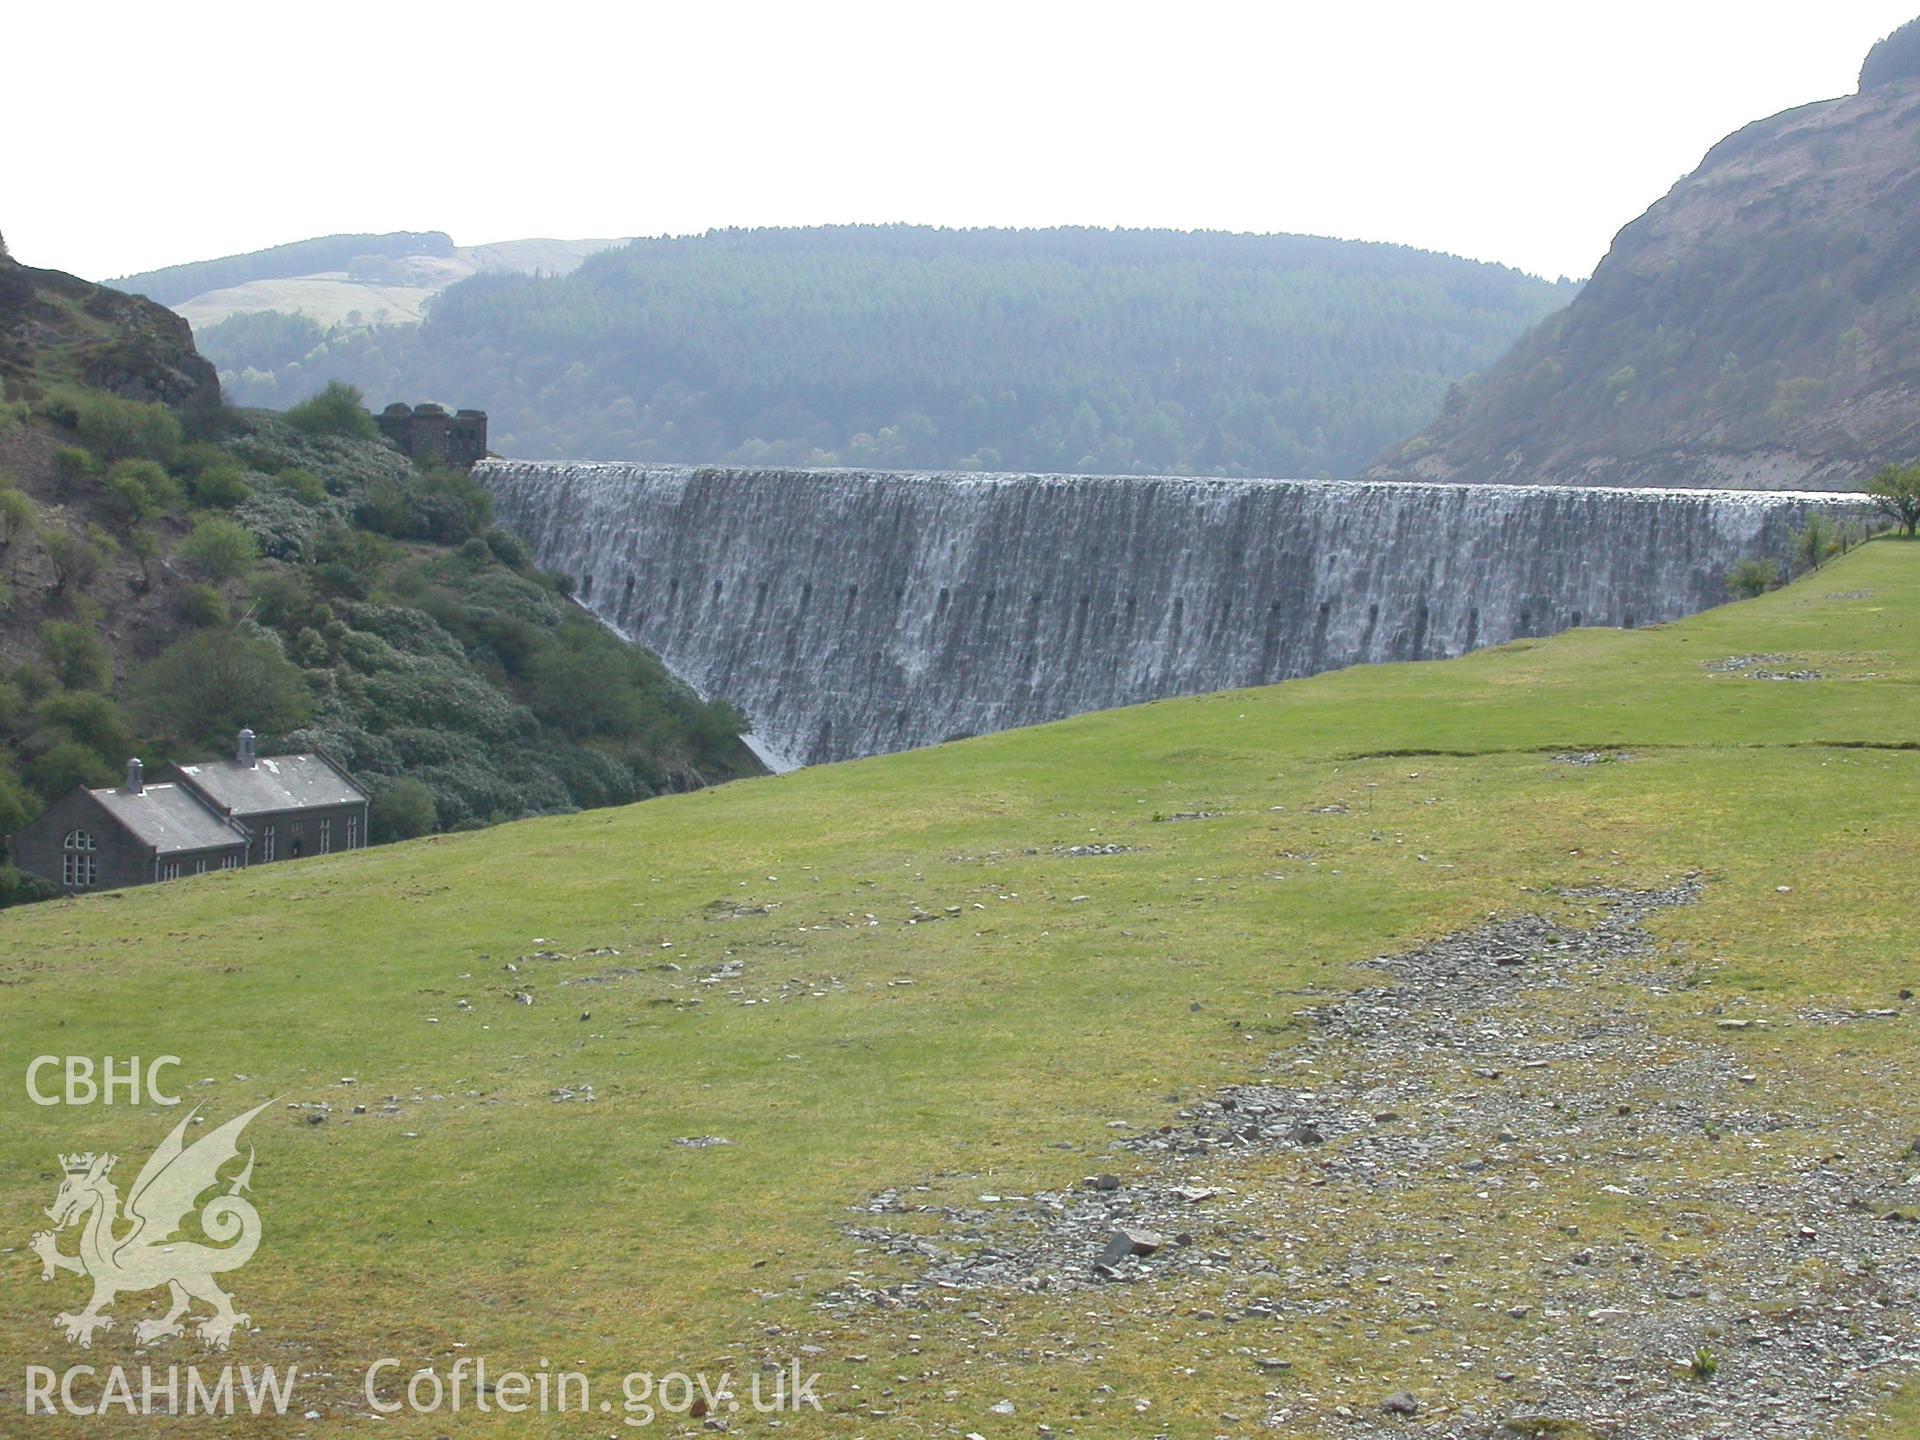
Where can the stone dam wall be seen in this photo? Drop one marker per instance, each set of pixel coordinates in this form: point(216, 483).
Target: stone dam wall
point(851, 612)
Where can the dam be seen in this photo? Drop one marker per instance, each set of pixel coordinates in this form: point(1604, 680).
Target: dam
point(852, 613)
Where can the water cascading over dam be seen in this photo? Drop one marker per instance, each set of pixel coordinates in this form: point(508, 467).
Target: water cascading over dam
point(851, 613)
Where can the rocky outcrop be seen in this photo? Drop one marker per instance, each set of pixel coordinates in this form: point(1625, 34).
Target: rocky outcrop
point(1754, 329)
point(57, 325)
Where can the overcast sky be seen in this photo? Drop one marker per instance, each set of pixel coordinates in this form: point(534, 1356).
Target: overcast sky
point(1526, 133)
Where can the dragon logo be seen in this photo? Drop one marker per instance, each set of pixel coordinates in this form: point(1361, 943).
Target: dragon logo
point(143, 1249)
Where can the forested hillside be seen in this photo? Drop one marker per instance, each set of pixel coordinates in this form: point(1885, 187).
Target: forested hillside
point(172, 571)
point(1085, 350)
point(176, 283)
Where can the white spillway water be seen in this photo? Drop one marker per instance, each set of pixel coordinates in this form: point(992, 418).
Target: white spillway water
point(856, 612)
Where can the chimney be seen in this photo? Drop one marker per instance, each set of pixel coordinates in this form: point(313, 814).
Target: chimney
point(135, 785)
point(245, 751)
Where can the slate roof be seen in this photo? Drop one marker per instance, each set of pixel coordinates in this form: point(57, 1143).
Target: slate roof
point(169, 818)
point(273, 782)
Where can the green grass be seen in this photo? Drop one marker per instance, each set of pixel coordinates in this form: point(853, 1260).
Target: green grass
point(1065, 994)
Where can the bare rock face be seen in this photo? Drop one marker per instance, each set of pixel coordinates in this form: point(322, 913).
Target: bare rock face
point(62, 325)
point(1752, 330)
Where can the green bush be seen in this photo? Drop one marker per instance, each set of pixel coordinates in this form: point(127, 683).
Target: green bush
point(82, 718)
point(65, 766)
point(143, 488)
point(1816, 541)
point(1752, 577)
point(78, 657)
point(402, 811)
point(117, 429)
point(339, 409)
point(508, 548)
point(1896, 489)
point(221, 487)
point(72, 465)
point(202, 688)
point(17, 516)
point(17, 804)
point(75, 560)
point(219, 550)
point(283, 600)
point(341, 581)
point(443, 506)
point(201, 605)
point(17, 887)
point(303, 485)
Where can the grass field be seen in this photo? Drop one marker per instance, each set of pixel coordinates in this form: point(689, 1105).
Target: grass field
point(766, 933)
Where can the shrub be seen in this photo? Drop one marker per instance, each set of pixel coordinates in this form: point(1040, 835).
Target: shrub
point(282, 601)
point(405, 809)
point(17, 807)
point(452, 506)
point(65, 766)
point(339, 409)
point(82, 718)
point(221, 486)
point(1896, 490)
point(1752, 577)
point(219, 550)
point(1816, 541)
point(282, 525)
point(17, 516)
point(202, 688)
point(303, 485)
point(19, 888)
point(201, 605)
point(71, 465)
point(117, 429)
point(75, 561)
point(444, 506)
point(341, 581)
point(79, 658)
point(508, 548)
point(142, 488)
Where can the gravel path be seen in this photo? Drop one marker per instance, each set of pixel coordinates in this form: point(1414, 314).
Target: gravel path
point(1744, 1268)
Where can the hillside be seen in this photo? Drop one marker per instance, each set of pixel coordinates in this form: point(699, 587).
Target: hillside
point(171, 569)
point(1089, 350)
point(1753, 329)
point(346, 279)
point(1529, 1036)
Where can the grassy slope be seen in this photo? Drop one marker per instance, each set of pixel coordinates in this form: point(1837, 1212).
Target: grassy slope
point(1060, 998)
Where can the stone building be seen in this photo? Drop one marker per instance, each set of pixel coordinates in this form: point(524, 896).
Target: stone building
point(433, 437)
point(217, 815)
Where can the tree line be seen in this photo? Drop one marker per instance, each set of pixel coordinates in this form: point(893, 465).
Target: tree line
point(1068, 350)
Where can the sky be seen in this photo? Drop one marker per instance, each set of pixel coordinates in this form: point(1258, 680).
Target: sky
point(1523, 133)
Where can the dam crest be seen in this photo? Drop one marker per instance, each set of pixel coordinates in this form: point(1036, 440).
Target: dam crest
point(853, 612)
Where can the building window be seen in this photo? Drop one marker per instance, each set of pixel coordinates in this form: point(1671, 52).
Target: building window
point(200, 866)
point(77, 860)
point(229, 860)
point(353, 832)
point(266, 842)
point(296, 838)
point(326, 835)
point(169, 869)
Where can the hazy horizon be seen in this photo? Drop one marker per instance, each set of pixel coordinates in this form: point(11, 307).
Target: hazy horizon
point(1501, 134)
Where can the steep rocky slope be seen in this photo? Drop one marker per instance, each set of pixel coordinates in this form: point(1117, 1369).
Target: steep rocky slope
point(56, 327)
point(1754, 328)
